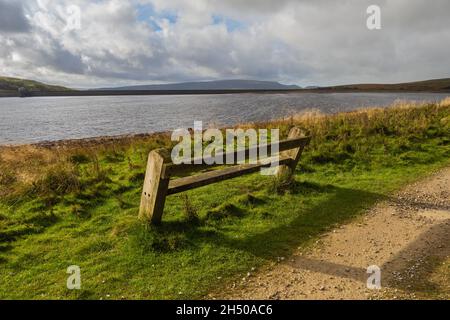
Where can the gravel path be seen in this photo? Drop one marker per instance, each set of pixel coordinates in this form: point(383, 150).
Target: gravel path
point(398, 235)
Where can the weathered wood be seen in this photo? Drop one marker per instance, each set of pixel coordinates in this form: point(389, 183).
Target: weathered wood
point(290, 143)
point(203, 179)
point(286, 171)
point(155, 188)
point(157, 184)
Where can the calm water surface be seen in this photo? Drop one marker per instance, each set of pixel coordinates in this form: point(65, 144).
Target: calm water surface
point(55, 118)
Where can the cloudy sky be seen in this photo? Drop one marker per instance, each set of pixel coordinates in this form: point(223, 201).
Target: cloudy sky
point(318, 42)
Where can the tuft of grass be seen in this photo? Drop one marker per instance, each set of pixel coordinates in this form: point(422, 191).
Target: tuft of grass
point(226, 210)
point(147, 239)
point(189, 209)
point(282, 184)
point(250, 200)
point(59, 180)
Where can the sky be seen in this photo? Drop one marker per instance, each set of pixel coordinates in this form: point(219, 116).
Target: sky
point(87, 44)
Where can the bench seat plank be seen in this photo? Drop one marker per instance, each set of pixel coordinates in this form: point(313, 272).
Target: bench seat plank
point(203, 179)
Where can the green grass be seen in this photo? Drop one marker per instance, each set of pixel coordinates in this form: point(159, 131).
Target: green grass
point(82, 209)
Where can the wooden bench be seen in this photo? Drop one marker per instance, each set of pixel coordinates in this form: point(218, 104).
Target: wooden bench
point(158, 185)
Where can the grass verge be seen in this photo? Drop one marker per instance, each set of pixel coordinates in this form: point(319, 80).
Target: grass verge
point(77, 205)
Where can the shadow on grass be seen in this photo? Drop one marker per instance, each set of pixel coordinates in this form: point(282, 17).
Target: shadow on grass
point(342, 205)
point(34, 224)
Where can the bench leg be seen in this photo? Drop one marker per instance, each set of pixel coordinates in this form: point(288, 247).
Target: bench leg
point(286, 171)
point(155, 187)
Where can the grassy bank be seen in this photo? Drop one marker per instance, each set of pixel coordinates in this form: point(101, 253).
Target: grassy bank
point(77, 204)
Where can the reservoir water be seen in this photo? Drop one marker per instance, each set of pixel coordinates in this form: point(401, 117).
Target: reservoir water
point(39, 119)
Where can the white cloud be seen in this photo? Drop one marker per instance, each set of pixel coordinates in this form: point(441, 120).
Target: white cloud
point(304, 42)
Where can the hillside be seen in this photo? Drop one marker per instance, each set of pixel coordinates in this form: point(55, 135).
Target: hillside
point(213, 85)
point(427, 85)
point(10, 86)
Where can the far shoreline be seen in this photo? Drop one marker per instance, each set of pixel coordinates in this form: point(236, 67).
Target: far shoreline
point(87, 141)
point(100, 93)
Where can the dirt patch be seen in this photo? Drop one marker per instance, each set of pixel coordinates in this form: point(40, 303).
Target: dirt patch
point(407, 236)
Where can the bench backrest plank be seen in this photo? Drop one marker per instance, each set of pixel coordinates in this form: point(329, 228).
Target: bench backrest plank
point(157, 184)
point(290, 143)
point(200, 180)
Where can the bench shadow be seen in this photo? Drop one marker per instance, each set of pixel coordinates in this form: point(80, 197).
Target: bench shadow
point(431, 244)
point(418, 250)
point(343, 205)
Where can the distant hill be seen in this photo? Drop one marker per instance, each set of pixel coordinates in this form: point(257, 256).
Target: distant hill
point(427, 85)
point(213, 85)
point(312, 87)
point(10, 86)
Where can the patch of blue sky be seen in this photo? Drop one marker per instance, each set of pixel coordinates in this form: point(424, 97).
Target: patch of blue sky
point(147, 13)
point(231, 24)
